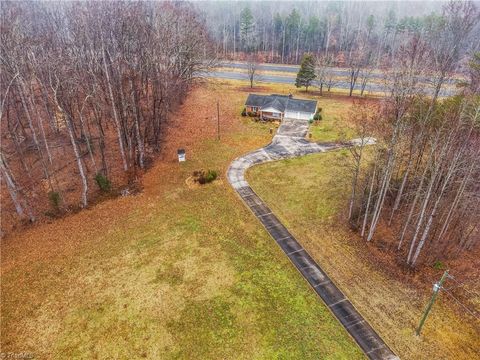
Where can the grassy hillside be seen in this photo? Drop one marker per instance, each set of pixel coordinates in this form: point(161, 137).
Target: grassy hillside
point(174, 272)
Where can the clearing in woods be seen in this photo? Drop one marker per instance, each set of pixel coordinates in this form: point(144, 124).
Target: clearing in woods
point(173, 272)
point(181, 272)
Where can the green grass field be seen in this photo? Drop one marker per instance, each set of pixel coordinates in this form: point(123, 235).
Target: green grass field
point(172, 273)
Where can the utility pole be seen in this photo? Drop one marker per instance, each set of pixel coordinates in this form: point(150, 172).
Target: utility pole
point(436, 288)
point(218, 121)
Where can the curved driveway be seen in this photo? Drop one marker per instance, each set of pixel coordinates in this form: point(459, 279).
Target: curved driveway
point(289, 142)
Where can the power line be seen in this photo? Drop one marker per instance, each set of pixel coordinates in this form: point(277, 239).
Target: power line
point(475, 277)
point(473, 313)
point(462, 284)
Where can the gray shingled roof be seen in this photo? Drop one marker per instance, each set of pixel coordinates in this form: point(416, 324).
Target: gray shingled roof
point(255, 100)
point(307, 106)
point(282, 103)
point(275, 102)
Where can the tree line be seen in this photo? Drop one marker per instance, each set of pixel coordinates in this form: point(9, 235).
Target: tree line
point(420, 182)
point(86, 90)
point(282, 33)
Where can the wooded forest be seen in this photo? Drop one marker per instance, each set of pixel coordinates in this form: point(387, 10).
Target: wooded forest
point(86, 89)
point(341, 32)
point(421, 190)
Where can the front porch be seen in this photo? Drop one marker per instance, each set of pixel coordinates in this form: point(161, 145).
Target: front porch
point(271, 115)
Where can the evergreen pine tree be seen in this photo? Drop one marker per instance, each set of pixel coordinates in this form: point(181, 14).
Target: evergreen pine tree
point(306, 74)
point(246, 29)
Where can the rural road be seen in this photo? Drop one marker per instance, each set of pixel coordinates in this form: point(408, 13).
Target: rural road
point(290, 142)
point(235, 75)
point(293, 69)
point(290, 70)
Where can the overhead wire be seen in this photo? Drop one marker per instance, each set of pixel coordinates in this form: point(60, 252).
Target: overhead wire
point(471, 312)
point(462, 285)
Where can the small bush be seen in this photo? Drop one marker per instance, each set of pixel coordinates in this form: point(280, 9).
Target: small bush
point(244, 112)
point(250, 114)
point(438, 265)
point(317, 117)
point(55, 200)
point(311, 121)
point(211, 175)
point(319, 110)
point(205, 177)
point(103, 183)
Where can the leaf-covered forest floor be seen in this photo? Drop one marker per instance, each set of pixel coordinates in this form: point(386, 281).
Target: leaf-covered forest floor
point(171, 272)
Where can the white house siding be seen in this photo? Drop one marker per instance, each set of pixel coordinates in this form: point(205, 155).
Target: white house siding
point(299, 115)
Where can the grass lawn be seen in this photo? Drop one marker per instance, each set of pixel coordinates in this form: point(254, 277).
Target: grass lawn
point(334, 125)
point(171, 273)
point(310, 194)
point(336, 107)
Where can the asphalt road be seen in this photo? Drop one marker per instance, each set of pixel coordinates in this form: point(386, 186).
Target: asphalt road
point(287, 80)
point(294, 69)
point(268, 78)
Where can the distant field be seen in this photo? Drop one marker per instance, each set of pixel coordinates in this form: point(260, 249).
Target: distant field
point(310, 194)
point(171, 273)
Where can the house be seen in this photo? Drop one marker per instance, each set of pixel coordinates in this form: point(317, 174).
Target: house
point(277, 107)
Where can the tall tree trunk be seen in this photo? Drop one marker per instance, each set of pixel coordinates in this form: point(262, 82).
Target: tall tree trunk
point(114, 109)
point(433, 213)
point(78, 158)
point(426, 200)
point(417, 196)
point(87, 136)
point(23, 94)
point(398, 198)
point(367, 209)
point(13, 190)
point(455, 202)
point(139, 139)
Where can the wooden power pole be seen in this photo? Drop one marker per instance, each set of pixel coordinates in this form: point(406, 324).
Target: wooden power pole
point(436, 288)
point(218, 121)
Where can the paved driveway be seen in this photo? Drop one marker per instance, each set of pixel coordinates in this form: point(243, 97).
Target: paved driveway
point(289, 142)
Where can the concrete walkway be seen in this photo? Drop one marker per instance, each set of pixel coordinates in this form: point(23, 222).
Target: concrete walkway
point(290, 142)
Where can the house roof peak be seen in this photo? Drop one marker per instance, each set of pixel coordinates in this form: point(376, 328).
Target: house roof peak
point(281, 103)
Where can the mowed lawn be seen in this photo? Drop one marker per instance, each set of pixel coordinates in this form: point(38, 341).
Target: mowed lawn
point(309, 194)
point(335, 106)
point(171, 273)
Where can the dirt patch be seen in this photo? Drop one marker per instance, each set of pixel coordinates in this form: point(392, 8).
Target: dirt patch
point(192, 182)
